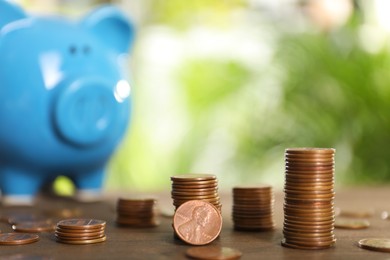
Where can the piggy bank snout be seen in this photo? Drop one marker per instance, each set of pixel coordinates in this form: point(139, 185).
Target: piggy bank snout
point(85, 112)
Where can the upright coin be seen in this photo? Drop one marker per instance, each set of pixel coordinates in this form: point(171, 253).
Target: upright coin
point(197, 222)
point(213, 252)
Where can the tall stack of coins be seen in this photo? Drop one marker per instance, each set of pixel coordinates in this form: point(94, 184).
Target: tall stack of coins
point(253, 208)
point(80, 231)
point(195, 187)
point(136, 212)
point(309, 194)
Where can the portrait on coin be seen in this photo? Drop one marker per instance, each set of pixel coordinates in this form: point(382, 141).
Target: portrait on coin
point(196, 229)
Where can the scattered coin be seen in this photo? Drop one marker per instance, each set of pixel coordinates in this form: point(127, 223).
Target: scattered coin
point(34, 226)
point(375, 244)
point(354, 213)
point(197, 222)
point(213, 252)
point(346, 223)
point(17, 238)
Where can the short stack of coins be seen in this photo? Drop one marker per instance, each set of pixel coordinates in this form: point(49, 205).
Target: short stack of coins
point(136, 212)
point(309, 214)
point(80, 231)
point(253, 208)
point(195, 187)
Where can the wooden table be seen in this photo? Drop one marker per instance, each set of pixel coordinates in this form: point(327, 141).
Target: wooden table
point(159, 242)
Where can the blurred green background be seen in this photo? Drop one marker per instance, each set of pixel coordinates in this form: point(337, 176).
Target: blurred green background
point(224, 86)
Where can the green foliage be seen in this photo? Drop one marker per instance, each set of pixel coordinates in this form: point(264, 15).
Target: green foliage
point(336, 94)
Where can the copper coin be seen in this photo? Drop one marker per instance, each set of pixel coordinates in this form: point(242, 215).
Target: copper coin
point(197, 222)
point(14, 218)
point(310, 150)
point(81, 223)
point(193, 192)
point(316, 243)
point(252, 188)
point(17, 238)
point(357, 213)
point(195, 197)
point(300, 159)
point(252, 228)
point(136, 200)
point(310, 170)
point(191, 189)
point(82, 231)
point(34, 227)
point(78, 235)
point(83, 242)
point(193, 177)
point(65, 238)
point(308, 155)
point(286, 244)
point(213, 187)
point(308, 222)
point(303, 210)
point(213, 252)
point(324, 173)
point(351, 223)
point(138, 224)
point(375, 244)
point(308, 232)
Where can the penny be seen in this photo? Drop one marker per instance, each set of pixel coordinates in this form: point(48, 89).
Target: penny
point(286, 244)
point(193, 177)
point(375, 244)
point(351, 223)
point(209, 186)
point(197, 222)
point(82, 231)
point(78, 235)
point(83, 242)
point(34, 227)
point(17, 238)
point(67, 238)
point(213, 252)
point(303, 159)
point(357, 213)
point(310, 150)
point(81, 223)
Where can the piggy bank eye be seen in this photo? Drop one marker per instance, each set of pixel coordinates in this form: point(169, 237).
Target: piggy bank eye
point(72, 50)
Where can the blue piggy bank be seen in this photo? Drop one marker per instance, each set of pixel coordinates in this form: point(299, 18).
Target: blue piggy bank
point(64, 99)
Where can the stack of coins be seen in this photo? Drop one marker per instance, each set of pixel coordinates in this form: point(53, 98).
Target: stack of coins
point(309, 194)
point(136, 212)
point(195, 187)
point(80, 231)
point(253, 208)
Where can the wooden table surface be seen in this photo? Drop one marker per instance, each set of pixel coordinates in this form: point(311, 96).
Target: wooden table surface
point(159, 242)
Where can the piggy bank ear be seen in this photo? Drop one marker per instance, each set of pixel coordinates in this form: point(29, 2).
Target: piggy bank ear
point(10, 12)
point(111, 26)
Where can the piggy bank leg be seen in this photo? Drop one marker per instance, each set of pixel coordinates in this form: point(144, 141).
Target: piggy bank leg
point(18, 187)
point(89, 185)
